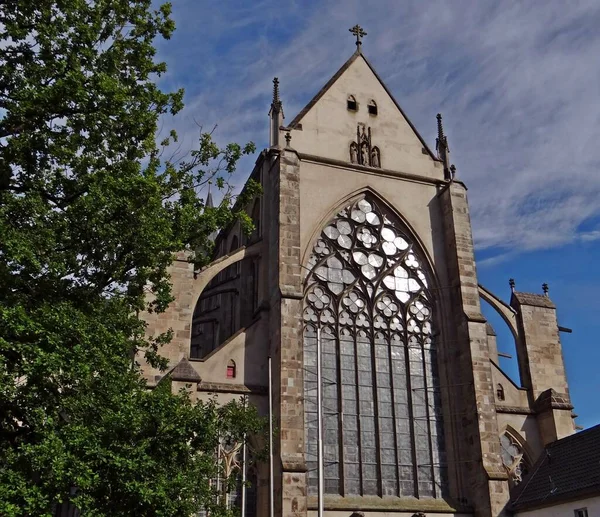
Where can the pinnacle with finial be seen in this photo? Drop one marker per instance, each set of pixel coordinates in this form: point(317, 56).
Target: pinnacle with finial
point(511, 283)
point(545, 288)
point(359, 32)
point(209, 200)
point(441, 145)
point(453, 170)
point(276, 101)
point(288, 138)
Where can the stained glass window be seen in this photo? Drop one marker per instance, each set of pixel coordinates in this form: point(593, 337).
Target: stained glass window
point(367, 292)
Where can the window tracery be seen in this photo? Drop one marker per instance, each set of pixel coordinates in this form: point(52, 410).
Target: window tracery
point(513, 458)
point(368, 295)
point(230, 461)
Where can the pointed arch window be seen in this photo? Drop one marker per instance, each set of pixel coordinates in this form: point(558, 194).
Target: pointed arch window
point(368, 300)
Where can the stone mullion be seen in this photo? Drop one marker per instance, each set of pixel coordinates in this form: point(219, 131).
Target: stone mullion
point(392, 388)
point(376, 407)
point(340, 386)
point(427, 411)
point(409, 399)
point(358, 415)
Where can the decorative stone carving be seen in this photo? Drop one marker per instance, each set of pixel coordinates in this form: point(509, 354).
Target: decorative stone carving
point(362, 151)
point(354, 152)
point(375, 157)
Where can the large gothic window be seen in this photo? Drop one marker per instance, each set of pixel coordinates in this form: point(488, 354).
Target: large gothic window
point(367, 298)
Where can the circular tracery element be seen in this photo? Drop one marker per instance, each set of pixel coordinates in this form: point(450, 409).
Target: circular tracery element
point(368, 294)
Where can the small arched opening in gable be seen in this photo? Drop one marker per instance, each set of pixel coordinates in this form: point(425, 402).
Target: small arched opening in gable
point(351, 103)
point(372, 107)
point(500, 392)
point(231, 369)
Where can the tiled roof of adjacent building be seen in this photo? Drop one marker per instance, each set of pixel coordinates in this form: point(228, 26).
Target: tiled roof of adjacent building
point(567, 469)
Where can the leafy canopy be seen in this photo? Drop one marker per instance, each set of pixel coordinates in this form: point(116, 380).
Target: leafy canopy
point(90, 217)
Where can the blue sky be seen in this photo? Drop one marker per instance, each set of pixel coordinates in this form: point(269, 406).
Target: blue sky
point(517, 83)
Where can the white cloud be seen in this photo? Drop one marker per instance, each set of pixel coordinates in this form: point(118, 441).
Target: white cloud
point(590, 236)
point(517, 83)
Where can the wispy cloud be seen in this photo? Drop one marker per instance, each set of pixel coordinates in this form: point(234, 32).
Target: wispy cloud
point(517, 83)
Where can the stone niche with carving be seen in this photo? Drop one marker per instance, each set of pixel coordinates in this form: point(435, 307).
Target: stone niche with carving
point(362, 151)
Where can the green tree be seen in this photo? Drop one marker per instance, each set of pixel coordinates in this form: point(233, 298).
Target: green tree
point(90, 217)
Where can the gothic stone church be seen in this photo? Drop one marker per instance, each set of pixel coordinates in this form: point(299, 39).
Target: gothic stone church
point(363, 241)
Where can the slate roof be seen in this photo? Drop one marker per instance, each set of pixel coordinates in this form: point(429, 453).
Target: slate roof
point(184, 372)
point(537, 300)
point(567, 469)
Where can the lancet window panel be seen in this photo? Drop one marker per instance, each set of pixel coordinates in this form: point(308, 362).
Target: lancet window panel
point(367, 299)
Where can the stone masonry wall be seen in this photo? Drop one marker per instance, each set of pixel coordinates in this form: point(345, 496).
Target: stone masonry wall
point(177, 317)
point(285, 282)
point(544, 357)
point(484, 480)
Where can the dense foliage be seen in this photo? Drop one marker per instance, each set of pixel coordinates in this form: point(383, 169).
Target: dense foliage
point(90, 217)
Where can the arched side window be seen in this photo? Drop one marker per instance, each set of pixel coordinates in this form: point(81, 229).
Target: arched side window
point(514, 459)
point(256, 220)
point(367, 300)
point(234, 269)
point(231, 369)
point(500, 392)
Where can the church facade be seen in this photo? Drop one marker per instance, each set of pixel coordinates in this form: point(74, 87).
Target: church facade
point(363, 250)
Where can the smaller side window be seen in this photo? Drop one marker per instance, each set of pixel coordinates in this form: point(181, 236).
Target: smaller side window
point(581, 512)
point(351, 103)
point(372, 107)
point(231, 369)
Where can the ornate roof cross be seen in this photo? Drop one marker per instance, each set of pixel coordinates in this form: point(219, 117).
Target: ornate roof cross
point(358, 31)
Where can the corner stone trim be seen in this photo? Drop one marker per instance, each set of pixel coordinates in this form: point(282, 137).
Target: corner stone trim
point(550, 399)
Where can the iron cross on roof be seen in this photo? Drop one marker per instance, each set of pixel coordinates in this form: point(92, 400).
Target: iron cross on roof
point(358, 31)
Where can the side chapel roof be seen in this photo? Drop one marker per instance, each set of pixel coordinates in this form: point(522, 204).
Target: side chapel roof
point(568, 469)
